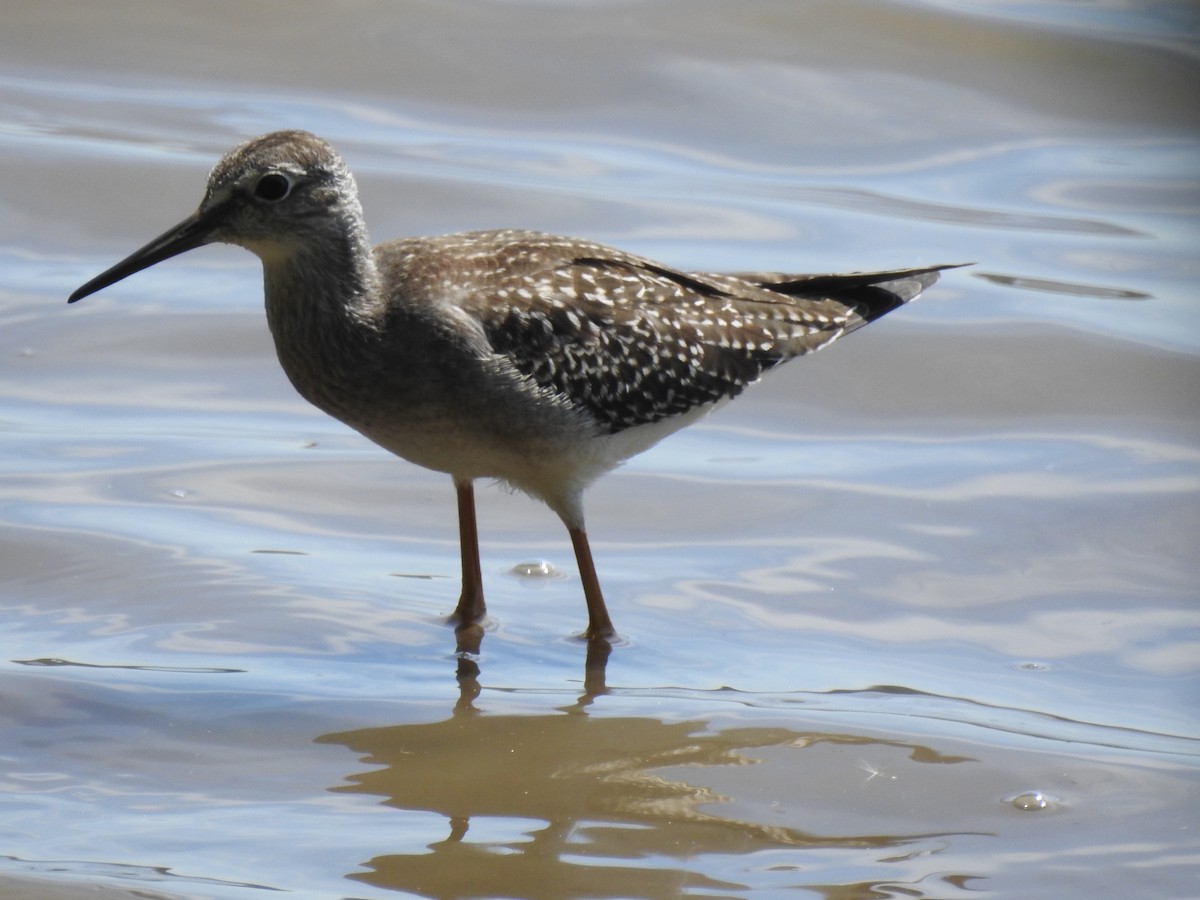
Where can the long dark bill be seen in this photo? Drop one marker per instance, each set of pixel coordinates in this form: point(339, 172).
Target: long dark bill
point(194, 231)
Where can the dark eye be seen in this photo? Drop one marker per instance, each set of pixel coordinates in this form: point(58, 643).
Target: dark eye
point(273, 187)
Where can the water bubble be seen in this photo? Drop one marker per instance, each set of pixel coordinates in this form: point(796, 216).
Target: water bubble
point(536, 568)
point(1033, 801)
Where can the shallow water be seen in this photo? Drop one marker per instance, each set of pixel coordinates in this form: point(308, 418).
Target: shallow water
point(915, 617)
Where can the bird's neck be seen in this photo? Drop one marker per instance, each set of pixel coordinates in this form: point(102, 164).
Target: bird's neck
point(324, 309)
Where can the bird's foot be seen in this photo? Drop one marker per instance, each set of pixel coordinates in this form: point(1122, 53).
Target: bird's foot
point(468, 639)
point(600, 630)
point(470, 610)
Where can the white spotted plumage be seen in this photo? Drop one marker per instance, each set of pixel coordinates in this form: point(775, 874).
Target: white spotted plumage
point(625, 341)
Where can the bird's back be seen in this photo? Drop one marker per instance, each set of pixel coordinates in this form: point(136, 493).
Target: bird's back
point(621, 339)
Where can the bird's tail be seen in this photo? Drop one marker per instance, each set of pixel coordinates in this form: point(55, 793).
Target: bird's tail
point(870, 294)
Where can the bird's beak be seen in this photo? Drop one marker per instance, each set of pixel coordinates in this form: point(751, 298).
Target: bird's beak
point(194, 231)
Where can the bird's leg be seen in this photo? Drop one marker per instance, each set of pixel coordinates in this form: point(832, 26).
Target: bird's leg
point(594, 668)
point(599, 624)
point(471, 608)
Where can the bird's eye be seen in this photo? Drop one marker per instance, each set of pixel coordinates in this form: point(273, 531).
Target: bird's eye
point(273, 187)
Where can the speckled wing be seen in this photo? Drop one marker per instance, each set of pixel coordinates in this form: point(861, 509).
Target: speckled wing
point(632, 342)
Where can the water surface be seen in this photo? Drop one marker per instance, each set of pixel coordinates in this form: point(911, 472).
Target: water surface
point(915, 617)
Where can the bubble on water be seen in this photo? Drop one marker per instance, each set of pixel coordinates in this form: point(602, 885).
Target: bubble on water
point(1033, 666)
point(1033, 801)
point(535, 568)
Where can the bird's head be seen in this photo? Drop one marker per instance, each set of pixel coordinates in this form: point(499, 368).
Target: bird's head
point(275, 195)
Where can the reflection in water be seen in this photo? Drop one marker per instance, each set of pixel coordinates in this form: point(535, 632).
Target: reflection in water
point(197, 670)
point(1063, 287)
point(469, 639)
point(584, 805)
point(934, 886)
point(958, 214)
point(146, 880)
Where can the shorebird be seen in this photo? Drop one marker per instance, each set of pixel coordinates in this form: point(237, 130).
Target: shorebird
point(536, 360)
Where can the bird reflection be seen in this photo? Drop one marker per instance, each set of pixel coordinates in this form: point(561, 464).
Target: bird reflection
point(576, 800)
point(468, 648)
